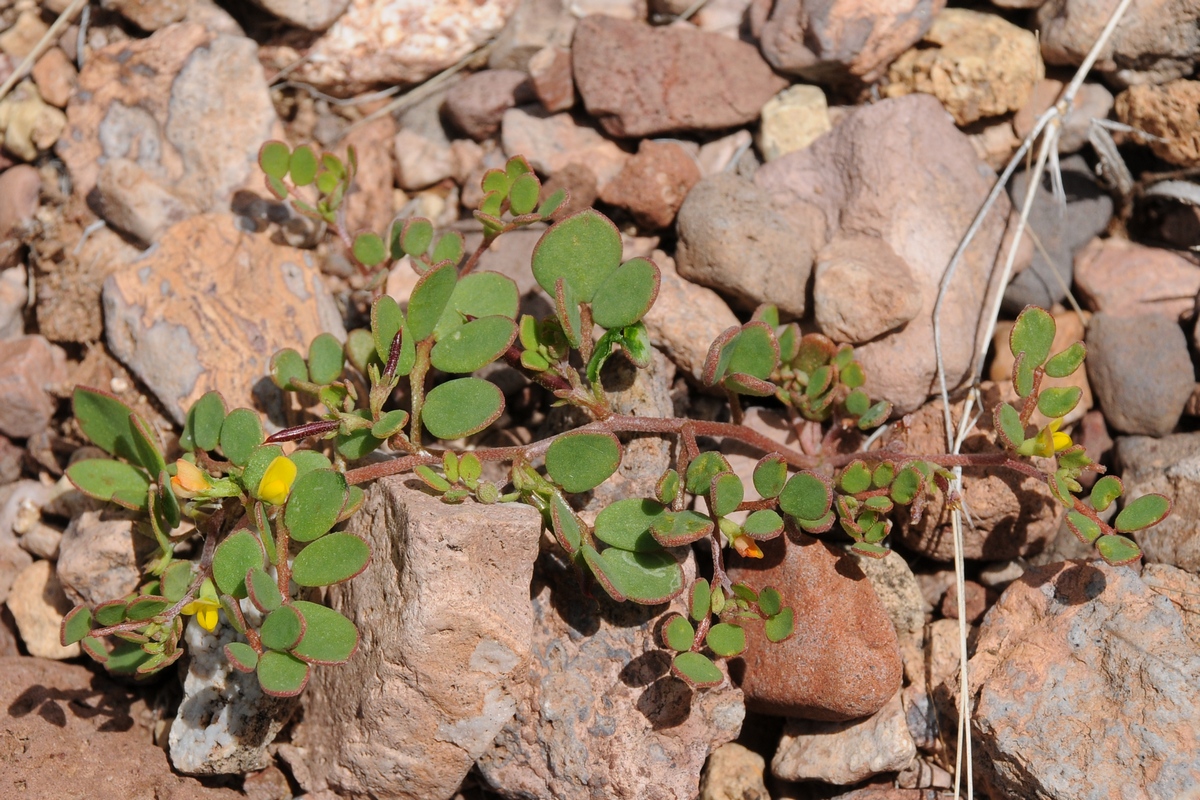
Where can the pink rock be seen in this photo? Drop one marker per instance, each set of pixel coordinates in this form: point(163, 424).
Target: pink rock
point(553, 79)
point(19, 188)
point(1125, 279)
point(55, 77)
point(553, 141)
point(1092, 101)
point(653, 184)
point(685, 318)
point(976, 601)
point(477, 104)
point(29, 366)
point(862, 289)
point(638, 80)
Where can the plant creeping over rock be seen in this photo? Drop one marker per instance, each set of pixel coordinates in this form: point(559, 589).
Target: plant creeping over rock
point(246, 523)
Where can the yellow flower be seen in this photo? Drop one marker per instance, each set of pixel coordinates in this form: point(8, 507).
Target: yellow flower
point(747, 547)
point(277, 481)
point(1050, 440)
point(189, 480)
point(205, 606)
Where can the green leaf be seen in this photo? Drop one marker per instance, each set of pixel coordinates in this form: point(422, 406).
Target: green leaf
point(1033, 335)
point(677, 528)
point(330, 559)
point(565, 524)
point(745, 592)
point(566, 307)
point(853, 376)
point(303, 166)
point(369, 249)
point(241, 656)
point(870, 549)
point(814, 350)
point(241, 432)
point(770, 475)
point(176, 579)
point(315, 503)
point(282, 628)
point(1118, 550)
point(234, 557)
point(583, 250)
point(883, 475)
point(1058, 401)
point(391, 423)
point(287, 370)
point(263, 591)
point(105, 420)
point(78, 624)
point(326, 182)
point(626, 524)
point(329, 638)
point(431, 478)
point(429, 299)
point(1022, 376)
point(461, 407)
point(308, 460)
point(855, 478)
point(146, 607)
point(552, 203)
point(752, 351)
point(703, 468)
point(273, 158)
point(415, 237)
point(523, 194)
point(725, 494)
point(678, 633)
point(479, 294)
point(1147, 510)
point(726, 640)
point(110, 613)
point(111, 481)
point(1008, 424)
point(233, 613)
point(495, 180)
point(449, 248)
point(907, 485)
point(700, 601)
point(146, 446)
point(1107, 489)
point(875, 416)
point(474, 345)
point(282, 674)
point(763, 524)
point(667, 488)
point(206, 416)
point(857, 402)
point(627, 294)
point(770, 601)
point(276, 187)
point(326, 357)
point(386, 321)
point(1066, 362)
point(807, 496)
point(1086, 529)
point(579, 462)
point(780, 626)
point(696, 670)
point(360, 349)
point(645, 578)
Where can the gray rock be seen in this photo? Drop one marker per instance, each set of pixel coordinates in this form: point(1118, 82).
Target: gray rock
point(476, 104)
point(1086, 680)
point(1062, 232)
point(99, 557)
point(443, 611)
point(14, 500)
point(225, 722)
point(862, 290)
point(1168, 466)
point(422, 148)
point(897, 588)
point(14, 294)
point(534, 25)
point(733, 239)
point(1140, 372)
point(313, 15)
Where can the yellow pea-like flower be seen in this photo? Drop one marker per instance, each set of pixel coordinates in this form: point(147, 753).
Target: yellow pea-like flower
point(205, 607)
point(747, 547)
point(189, 480)
point(277, 481)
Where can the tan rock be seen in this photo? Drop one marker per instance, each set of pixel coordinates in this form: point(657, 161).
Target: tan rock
point(14, 295)
point(100, 558)
point(862, 289)
point(29, 124)
point(19, 40)
point(1182, 588)
point(55, 77)
point(994, 143)
point(38, 605)
point(975, 602)
point(369, 203)
point(1069, 329)
point(134, 202)
point(977, 64)
point(20, 186)
point(653, 184)
point(158, 314)
point(685, 318)
point(1124, 278)
point(1171, 112)
point(68, 299)
point(149, 15)
point(1165, 465)
point(734, 772)
point(792, 120)
point(551, 142)
point(313, 15)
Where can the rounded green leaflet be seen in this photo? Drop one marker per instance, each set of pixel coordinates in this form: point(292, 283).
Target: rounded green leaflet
point(1007, 421)
point(386, 321)
point(360, 349)
point(853, 376)
point(241, 656)
point(391, 423)
point(875, 415)
point(105, 420)
point(820, 380)
point(1022, 376)
point(429, 299)
point(326, 182)
point(273, 157)
point(627, 294)
point(302, 166)
point(807, 496)
point(233, 613)
point(1107, 489)
point(552, 203)
point(331, 559)
point(282, 674)
point(883, 475)
point(449, 248)
point(781, 625)
point(726, 640)
point(1147, 510)
point(110, 613)
point(1118, 550)
point(287, 369)
point(308, 460)
point(626, 524)
point(329, 638)
point(565, 524)
point(751, 351)
point(415, 237)
point(176, 579)
point(855, 478)
point(523, 194)
point(870, 549)
point(770, 601)
point(857, 402)
point(358, 443)
point(314, 504)
point(566, 307)
point(208, 414)
point(282, 628)
point(645, 578)
point(111, 481)
point(677, 528)
point(1086, 529)
point(75, 625)
point(461, 407)
point(241, 432)
point(326, 358)
point(700, 602)
point(678, 633)
point(763, 524)
point(474, 345)
point(369, 249)
point(696, 670)
point(703, 468)
point(667, 488)
point(579, 462)
point(263, 590)
point(725, 493)
point(233, 558)
point(1066, 362)
point(1058, 401)
point(1033, 335)
point(907, 484)
point(431, 478)
point(583, 250)
point(479, 294)
point(770, 475)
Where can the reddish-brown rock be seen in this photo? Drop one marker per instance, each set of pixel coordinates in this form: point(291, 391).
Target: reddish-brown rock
point(1126, 279)
point(652, 185)
point(685, 318)
point(976, 601)
point(638, 80)
point(477, 104)
point(839, 622)
point(552, 78)
point(55, 77)
point(553, 141)
point(29, 367)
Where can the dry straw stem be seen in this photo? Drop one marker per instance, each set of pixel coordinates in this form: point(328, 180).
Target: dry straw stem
point(1049, 123)
point(64, 19)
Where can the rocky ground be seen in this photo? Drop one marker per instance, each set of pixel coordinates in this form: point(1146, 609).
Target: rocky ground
point(824, 156)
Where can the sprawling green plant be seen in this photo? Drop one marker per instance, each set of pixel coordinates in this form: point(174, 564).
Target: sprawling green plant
point(260, 521)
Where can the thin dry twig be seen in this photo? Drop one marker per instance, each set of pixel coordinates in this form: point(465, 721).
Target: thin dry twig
point(64, 19)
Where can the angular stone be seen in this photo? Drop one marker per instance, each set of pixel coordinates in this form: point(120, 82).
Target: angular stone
point(899, 170)
point(1124, 278)
point(157, 313)
point(838, 621)
point(38, 605)
point(733, 239)
point(552, 77)
point(1171, 113)
point(440, 673)
point(67, 727)
point(132, 201)
point(20, 186)
point(1093, 101)
point(1072, 649)
point(477, 104)
point(312, 15)
point(29, 367)
point(100, 556)
point(792, 120)
point(977, 64)
point(15, 499)
point(55, 77)
point(734, 772)
point(845, 752)
point(653, 184)
point(843, 40)
point(685, 318)
point(1140, 372)
point(862, 290)
point(29, 123)
point(975, 602)
point(149, 15)
point(551, 142)
point(638, 80)
point(1181, 588)
point(535, 25)
point(1168, 466)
